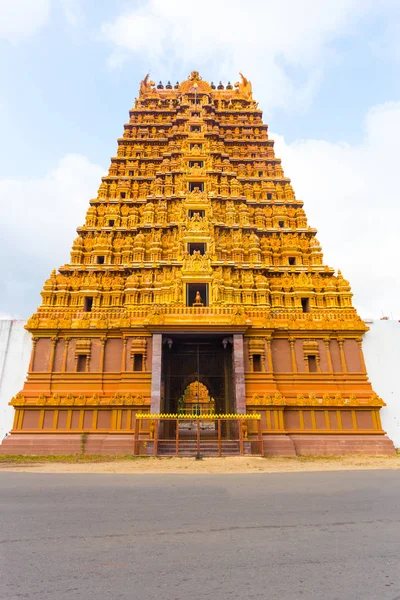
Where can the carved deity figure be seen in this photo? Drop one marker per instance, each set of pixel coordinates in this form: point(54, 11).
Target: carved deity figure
point(198, 300)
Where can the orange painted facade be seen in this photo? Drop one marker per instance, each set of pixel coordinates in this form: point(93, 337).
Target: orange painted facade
point(196, 231)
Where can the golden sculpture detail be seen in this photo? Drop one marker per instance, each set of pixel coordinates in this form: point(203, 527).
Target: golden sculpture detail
point(198, 301)
point(244, 87)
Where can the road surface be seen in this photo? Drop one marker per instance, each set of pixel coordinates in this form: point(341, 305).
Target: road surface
point(303, 536)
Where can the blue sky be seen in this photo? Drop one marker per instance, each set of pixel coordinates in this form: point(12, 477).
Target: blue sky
point(326, 75)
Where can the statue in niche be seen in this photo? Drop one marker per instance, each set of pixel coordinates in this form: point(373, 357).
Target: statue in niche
point(198, 300)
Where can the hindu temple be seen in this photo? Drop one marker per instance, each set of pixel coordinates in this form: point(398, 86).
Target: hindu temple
point(196, 305)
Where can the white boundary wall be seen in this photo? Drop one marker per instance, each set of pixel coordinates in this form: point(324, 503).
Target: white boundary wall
point(381, 347)
point(381, 350)
point(15, 352)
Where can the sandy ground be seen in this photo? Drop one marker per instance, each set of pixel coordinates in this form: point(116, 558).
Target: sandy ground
point(208, 465)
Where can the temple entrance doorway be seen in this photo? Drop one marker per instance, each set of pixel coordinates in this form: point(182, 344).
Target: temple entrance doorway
point(197, 376)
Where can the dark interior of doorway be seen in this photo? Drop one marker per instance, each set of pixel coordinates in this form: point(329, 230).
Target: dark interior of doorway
point(207, 359)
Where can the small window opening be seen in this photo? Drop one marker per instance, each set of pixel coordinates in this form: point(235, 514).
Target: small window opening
point(196, 163)
point(197, 247)
point(200, 146)
point(260, 173)
point(137, 153)
point(100, 260)
point(81, 364)
point(312, 364)
point(131, 173)
point(111, 223)
point(257, 362)
point(195, 114)
point(88, 303)
point(195, 128)
point(305, 304)
point(281, 224)
point(195, 101)
point(197, 294)
point(269, 196)
point(196, 184)
point(123, 194)
point(292, 260)
point(199, 213)
point(138, 362)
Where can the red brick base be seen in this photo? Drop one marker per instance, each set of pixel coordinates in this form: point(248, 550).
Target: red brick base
point(274, 445)
point(331, 445)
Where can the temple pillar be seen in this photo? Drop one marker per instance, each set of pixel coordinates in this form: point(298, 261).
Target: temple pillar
point(155, 406)
point(238, 373)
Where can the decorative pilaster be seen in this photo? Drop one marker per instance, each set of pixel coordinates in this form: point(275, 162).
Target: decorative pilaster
point(327, 342)
point(34, 342)
point(65, 354)
point(155, 406)
point(52, 353)
point(292, 342)
point(102, 353)
point(342, 356)
point(123, 359)
point(270, 366)
point(362, 361)
point(238, 373)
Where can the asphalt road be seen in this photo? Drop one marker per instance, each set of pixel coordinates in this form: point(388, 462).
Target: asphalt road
point(282, 536)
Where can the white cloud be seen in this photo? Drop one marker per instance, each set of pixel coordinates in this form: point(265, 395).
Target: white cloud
point(39, 218)
point(73, 12)
point(22, 18)
point(282, 46)
point(351, 195)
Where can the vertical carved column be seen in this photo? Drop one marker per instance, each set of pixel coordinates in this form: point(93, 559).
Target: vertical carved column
point(342, 356)
point(270, 366)
point(327, 342)
point(65, 354)
point(52, 353)
point(238, 373)
point(102, 352)
point(34, 342)
point(123, 360)
point(155, 406)
point(293, 354)
point(362, 361)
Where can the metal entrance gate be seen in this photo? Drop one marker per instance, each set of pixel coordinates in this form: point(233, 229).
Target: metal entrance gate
point(198, 435)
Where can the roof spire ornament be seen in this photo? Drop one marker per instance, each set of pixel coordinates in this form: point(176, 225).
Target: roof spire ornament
point(244, 87)
point(146, 85)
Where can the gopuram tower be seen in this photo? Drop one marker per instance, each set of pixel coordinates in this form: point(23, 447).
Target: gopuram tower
point(196, 269)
